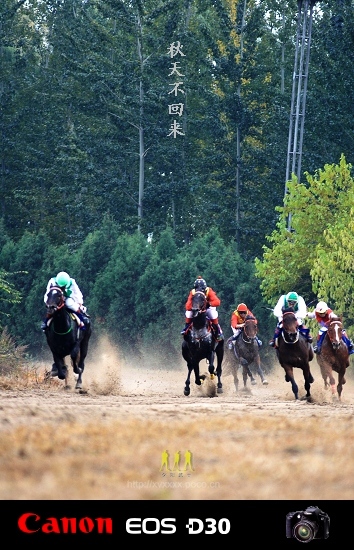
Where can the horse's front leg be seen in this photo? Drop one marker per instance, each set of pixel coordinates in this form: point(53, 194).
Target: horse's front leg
point(187, 383)
point(245, 373)
point(341, 382)
point(77, 364)
point(218, 374)
point(308, 381)
point(59, 368)
point(289, 377)
point(211, 367)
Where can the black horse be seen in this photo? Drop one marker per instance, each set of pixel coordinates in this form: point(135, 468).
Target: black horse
point(294, 351)
point(66, 337)
point(199, 343)
point(245, 352)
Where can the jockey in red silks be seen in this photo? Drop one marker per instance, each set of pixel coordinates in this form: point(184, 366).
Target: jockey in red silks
point(212, 303)
point(238, 318)
point(323, 315)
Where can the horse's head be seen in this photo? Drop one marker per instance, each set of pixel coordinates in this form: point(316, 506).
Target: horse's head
point(55, 299)
point(335, 332)
point(290, 325)
point(250, 329)
point(199, 303)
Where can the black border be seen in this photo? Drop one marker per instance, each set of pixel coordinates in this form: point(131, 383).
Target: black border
point(256, 521)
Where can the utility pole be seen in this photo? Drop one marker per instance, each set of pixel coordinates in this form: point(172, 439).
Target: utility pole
point(299, 91)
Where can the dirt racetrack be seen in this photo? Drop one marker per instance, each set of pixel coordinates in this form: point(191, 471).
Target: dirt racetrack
point(108, 442)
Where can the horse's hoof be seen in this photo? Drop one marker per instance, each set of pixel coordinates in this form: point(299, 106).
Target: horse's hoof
point(265, 383)
point(61, 376)
point(54, 371)
point(187, 392)
point(220, 390)
point(78, 387)
point(253, 382)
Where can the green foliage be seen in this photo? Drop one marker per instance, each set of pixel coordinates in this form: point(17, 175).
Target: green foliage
point(315, 257)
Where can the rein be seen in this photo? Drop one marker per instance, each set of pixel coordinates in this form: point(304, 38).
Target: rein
point(244, 333)
point(62, 333)
point(337, 338)
point(58, 308)
point(283, 331)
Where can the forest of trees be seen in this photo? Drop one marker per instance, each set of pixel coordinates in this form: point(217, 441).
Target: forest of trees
point(135, 167)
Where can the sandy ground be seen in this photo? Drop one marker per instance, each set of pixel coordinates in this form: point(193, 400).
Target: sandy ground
point(108, 441)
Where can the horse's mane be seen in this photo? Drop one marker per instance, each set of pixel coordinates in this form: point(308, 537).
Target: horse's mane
point(250, 318)
point(288, 310)
point(336, 319)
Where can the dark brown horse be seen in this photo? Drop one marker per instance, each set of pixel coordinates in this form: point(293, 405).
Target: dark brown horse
point(245, 352)
point(294, 351)
point(199, 343)
point(65, 338)
point(334, 356)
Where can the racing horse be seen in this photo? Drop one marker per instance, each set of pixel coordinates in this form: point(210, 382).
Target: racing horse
point(334, 356)
point(245, 350)
point(293, 351)
point(199, 343)
point(66, 337)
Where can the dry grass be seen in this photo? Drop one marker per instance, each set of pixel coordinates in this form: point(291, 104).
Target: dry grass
point(107, 443)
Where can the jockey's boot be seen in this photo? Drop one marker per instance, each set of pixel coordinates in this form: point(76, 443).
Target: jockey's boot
point(84, 318)
point(275, 337)
point(186, 327)
point(320, 338)
point(306, 332)
point(44, 324)
point(348, 343)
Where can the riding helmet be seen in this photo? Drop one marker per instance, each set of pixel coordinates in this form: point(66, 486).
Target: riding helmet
point(292, 297)
point(321, 307)
point(200, 284)
point(241, 308)
point(62, 279)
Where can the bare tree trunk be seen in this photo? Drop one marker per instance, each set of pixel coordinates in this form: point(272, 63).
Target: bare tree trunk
point(238, 135)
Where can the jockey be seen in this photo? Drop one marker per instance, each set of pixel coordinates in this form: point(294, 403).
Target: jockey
point(212, 302)
point(238, 321)
point(73, 297)
point(293, 300)
point(323, 315)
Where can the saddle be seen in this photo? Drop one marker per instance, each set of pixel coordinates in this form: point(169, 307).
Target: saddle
point(75, 318)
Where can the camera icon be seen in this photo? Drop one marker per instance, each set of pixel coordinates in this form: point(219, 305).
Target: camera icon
point(307, 525)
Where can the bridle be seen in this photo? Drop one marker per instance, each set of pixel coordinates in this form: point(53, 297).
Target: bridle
point(335, 340)
point(251, 339)
point(287, 332)
point(200, 309)
point(55, 307)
